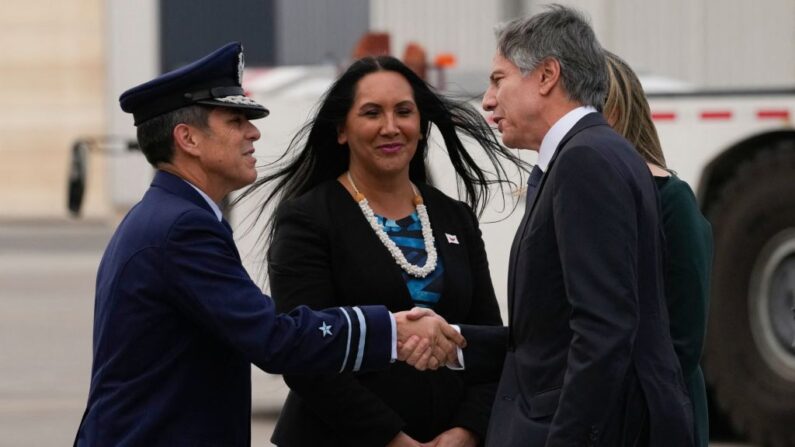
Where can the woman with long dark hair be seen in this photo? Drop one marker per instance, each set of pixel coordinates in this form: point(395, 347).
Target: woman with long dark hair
point(358, 223)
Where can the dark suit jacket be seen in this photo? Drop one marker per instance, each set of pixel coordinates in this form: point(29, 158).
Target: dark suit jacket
point(590, 360)
point(324, 253)
point(178, 322)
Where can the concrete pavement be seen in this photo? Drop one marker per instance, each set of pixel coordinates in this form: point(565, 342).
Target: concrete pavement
point(47, 272)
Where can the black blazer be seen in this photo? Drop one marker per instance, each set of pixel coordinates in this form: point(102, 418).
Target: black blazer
point(178, 322)
point(590, 360)
point(324, 253)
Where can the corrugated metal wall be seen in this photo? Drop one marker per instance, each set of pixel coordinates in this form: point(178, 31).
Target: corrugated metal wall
point(750, 42)
point(711, 43)
point(316, 31)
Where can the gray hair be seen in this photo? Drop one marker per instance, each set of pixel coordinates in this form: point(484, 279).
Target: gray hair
point(155, 135)
point(565, 35)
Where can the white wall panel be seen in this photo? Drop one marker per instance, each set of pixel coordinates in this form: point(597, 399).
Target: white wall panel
point(663, 38)
point(711, 43)
point(133, 57)
point(749, 43)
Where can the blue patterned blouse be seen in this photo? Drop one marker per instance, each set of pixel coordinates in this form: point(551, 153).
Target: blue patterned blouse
point(406, 233)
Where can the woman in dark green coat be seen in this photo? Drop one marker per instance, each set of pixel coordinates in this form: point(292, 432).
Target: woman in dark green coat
point(688, 235)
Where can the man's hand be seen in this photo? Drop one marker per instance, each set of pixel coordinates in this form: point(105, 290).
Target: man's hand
point(403, 440)
point(425, 340)
point(455, 437)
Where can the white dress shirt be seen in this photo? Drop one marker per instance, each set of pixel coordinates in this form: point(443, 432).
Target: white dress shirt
point(557, 132)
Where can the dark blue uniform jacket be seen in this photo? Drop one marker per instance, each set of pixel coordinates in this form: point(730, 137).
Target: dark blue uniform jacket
point(178, 321)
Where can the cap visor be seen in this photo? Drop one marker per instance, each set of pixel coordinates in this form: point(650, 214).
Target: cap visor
point(251, 108)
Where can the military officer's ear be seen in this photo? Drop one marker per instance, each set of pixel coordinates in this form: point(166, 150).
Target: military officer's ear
point(187, 138)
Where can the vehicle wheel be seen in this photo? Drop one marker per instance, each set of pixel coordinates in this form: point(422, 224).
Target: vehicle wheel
point(750, 348)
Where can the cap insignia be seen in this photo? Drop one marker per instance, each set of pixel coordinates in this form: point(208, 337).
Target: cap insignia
point(240, 66)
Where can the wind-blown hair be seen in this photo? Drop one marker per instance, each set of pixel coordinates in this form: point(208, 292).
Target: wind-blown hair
point(563, 34)
point(314, 155)
point(627, 110)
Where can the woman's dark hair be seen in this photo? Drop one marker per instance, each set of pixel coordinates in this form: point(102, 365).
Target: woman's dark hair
point(314, 155)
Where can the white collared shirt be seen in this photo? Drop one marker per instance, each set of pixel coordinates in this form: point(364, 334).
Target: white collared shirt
point(557, 132)
point(214, 206)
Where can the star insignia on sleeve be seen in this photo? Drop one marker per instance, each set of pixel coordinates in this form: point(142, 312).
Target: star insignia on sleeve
point(325, 329)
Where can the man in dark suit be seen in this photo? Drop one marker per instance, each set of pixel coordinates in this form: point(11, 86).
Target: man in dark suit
point(589, 357)
point(177, 319)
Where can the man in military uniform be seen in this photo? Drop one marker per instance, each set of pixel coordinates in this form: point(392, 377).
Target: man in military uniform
point(177, 320)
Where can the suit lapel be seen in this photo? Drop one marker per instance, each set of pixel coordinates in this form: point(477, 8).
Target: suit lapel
point(513, 257)
point(590, 120)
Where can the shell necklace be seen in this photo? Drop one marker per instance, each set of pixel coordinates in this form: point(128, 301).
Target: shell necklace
point(397, 255)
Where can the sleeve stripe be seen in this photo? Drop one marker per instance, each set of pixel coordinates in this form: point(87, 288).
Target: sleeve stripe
point(348, 346)
point(362, 337)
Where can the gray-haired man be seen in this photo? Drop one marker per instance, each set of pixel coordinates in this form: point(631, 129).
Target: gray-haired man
point(589, 360)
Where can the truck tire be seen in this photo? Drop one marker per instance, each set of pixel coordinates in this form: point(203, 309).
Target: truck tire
point(749, 355)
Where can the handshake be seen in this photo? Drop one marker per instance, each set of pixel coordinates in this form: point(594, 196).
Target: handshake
point(425, 340)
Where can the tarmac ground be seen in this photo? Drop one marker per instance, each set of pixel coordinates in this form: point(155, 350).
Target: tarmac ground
point(47, 271)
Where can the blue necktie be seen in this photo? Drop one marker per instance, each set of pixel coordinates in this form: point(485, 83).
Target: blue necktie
point(532, 187)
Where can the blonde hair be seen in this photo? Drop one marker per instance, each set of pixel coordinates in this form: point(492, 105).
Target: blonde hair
point(628, 111)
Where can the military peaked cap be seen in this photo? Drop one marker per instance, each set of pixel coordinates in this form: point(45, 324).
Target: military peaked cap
point(214, 80)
